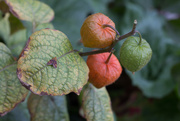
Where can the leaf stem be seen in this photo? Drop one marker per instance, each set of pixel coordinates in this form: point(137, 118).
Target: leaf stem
point(108, 49)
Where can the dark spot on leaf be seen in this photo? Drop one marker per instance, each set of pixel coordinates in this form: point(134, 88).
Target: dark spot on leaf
point(25, 85)
point(53, 62)
point(19, 75)
point(44, 93)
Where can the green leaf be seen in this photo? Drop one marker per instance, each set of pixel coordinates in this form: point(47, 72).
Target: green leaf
point(11, 91)
point(15, 24)
point(20, 113)
point(47, 108)
point(17, 41)
point(158, 87)
point(96, 104)
point(44, 26)
point(41, 78)
point(5, 27)
point(31, 10)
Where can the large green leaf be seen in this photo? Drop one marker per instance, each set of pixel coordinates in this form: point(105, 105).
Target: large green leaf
point(96, 104)
point(20, 113)
point(41, 49)
point(31, 10)
point(5, 27)
point(47, 108)
point(17, 41)
point(11, 91)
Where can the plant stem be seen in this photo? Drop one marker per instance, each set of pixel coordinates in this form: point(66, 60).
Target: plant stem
point(108, 49)
point(140, 41)
point(94, 52)
point(112, 51)
point(106, 25)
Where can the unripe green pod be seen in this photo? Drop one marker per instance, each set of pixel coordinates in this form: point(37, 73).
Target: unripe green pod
point(134, 55)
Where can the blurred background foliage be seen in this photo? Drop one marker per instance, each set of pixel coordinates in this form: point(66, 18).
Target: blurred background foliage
point(151, 94)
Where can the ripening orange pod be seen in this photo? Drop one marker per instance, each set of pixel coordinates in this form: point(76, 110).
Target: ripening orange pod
point(103, 73)
point(94, 34)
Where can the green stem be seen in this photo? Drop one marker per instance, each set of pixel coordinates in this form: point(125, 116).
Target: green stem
point(140, 41)
point(108, 49)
